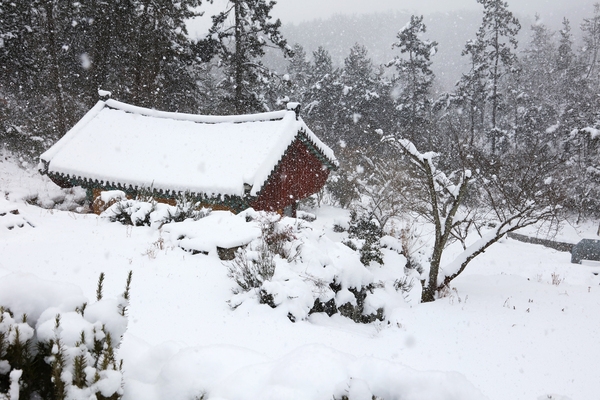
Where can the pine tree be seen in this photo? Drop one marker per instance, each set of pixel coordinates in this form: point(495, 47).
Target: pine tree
point(360, 108)
point(27, 114)
point(470, 95)
point(591, 37)
point(575, 95)
point(15, 65)
point(322, 93)
point(298, 75)
point(534, 97)
point(412, 85)
point(579, 81)
point(565, 46)
point(144, 40)
point(16, 42)
point(240, 47)
point(53, 47)
point(493, 55)
point(162, 55)
point(539, 60)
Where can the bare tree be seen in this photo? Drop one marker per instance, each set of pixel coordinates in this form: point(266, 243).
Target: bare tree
point(506, 194)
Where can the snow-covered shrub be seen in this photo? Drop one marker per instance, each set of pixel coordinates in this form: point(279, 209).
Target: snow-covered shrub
point(131, 212)
point(255, 265)
point(365, 234)
point(306, 216)
point(304, 272)
point(251, 269)
point(145, 211)
point(413, 248)
point(69, 199)
point(351, 303)
point(277, 237)
point(57, 351)
point(187, 207)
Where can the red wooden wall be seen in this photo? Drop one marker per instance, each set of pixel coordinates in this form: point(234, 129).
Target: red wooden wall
point(298, 175)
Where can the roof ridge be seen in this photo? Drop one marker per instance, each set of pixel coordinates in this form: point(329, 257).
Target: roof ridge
point(210, 119)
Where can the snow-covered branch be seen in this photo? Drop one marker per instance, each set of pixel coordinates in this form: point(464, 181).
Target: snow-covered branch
point(515, 194)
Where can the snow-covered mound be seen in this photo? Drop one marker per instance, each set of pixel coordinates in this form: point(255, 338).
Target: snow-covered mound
point(219, 229)
point(21, 182)
point(10, 217)
point(310, 372)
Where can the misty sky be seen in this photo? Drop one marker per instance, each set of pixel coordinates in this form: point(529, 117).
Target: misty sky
point(294, 11)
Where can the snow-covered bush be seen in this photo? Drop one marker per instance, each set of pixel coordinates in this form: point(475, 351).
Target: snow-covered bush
point(405, 238)
point(342, 186)
point(255, 265)
point(131, 212)
point(365, 234)
point(298, 271)
point(250, 271)
point(187, 207)
point(147, 212)
point(52, 349)
point(69, 199)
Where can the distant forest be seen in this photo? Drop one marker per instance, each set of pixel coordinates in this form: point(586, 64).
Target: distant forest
point(505, 95)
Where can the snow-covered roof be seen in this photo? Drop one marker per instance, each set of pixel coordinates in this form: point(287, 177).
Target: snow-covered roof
point(128, 145)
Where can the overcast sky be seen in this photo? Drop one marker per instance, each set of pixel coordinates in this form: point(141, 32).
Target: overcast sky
point(294, 11)
point(299, 10)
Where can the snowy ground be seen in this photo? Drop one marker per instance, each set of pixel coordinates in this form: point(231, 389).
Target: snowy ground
point(505, 332)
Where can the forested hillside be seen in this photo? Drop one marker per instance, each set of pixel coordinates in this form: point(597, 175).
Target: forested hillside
point(524, 110)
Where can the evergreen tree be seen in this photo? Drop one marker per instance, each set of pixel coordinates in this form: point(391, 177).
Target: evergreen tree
point(238, 38)
point(298, 75)
point(55, 55)
point(575, 95)
point(591, 38)
point(161, 62)
point(17, 68)
point(534, 96)
point(17, 65)
point(579, 80)
point(145, 41)
point(361, 104)
point(538, 61)
point(412, 85)
point(323, 92)
point(208, 89)
point(470, 95)
point(495, 44)
point(565, 46)
point(33, 113)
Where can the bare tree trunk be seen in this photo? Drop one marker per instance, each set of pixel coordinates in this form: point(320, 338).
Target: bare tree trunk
point(495, 91)
point(239, 76)
point(56, 81)
point(103, 34)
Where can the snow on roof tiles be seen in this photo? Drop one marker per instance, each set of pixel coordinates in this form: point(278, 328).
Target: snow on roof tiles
point(124, 144)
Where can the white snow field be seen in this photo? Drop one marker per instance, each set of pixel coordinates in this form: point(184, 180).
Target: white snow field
point(504, 332)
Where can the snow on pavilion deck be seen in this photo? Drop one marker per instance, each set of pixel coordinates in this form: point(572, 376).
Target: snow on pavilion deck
point(267, 161)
